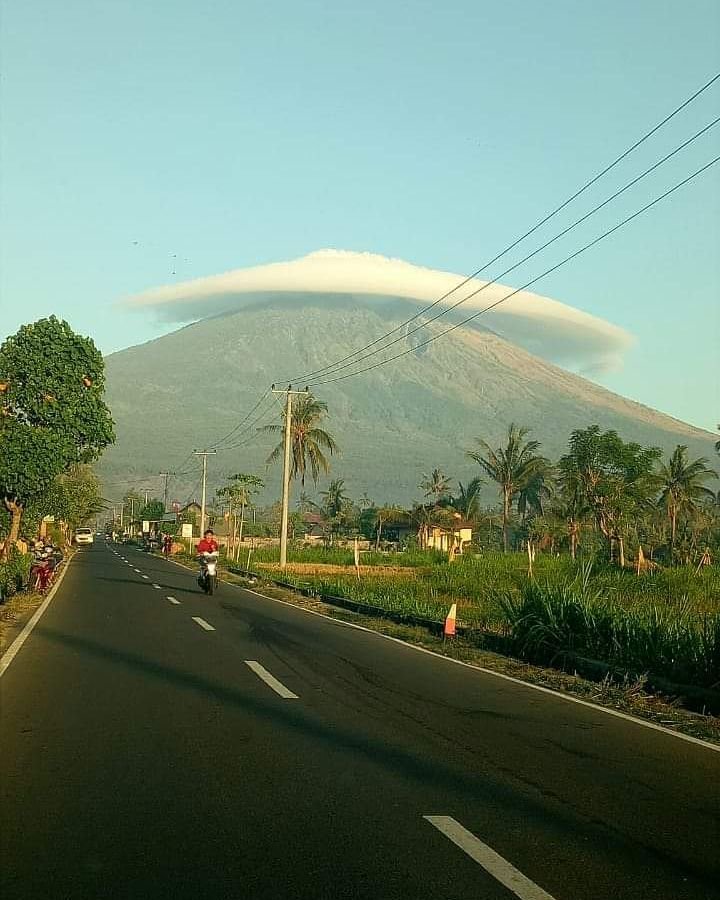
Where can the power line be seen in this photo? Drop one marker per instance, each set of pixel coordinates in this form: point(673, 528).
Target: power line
point(241, 422)
point(563, 262)
point(261, 418)
point(326, 369)
point(542, 247)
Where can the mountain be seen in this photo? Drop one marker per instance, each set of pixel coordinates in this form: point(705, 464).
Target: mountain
point(189, 388)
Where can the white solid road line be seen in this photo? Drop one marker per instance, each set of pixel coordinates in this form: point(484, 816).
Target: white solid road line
point(12, 650)
point(202, 623)
point(271, 680)
point(492, 862)
point(173, 600)
point(559, 695)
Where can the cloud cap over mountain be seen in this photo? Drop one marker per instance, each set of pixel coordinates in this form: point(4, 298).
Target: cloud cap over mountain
point(546, 327)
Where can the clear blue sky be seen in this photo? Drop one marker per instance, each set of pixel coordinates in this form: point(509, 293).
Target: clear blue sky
point(236, 133)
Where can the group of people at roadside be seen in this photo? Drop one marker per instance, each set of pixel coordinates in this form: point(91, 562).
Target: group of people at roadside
point(46, 558)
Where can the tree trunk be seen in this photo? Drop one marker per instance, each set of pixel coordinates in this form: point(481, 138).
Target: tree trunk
point(378, 534)
point(621, 549)
point(506, 516)
point(573, 540)
point(242, 522)
point(673, 531)
point(16, 510)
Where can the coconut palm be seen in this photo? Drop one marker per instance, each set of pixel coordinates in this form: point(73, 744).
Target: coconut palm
point(436, 486)
point(681, 485)
point(305, 503)
point(533, 497)
point(511, 466)
point(467, 501)
point(335, 498)
point(308, 441)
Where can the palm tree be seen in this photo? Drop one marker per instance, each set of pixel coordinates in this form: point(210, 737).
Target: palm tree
point(511, 466)
point(537, 491)
point(308, 440)
point(305, 504)
point(238, 493)
point(680, 482)
point(467, 501)
point(436, 486)
point(335, 498)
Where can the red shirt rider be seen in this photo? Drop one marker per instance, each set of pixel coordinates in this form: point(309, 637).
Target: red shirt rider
point(208, 544)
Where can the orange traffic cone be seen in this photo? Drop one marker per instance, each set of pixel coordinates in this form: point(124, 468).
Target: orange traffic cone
point(450, 621)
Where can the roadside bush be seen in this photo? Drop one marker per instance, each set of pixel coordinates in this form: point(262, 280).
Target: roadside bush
point(14, 574)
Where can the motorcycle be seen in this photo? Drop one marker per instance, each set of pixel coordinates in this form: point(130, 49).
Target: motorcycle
point(207, 579)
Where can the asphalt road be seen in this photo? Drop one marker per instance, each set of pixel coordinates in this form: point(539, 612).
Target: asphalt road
point(282, 754)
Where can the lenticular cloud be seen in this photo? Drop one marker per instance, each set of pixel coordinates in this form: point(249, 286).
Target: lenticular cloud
point(546, 327)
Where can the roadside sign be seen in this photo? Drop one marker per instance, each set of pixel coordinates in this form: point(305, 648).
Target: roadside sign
point(187, 530)
point(145, 526)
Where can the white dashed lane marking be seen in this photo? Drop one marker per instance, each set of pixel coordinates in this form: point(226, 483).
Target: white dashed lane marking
point(270, 680)
point(500, 869)
point(202, 623)
point(173, 600)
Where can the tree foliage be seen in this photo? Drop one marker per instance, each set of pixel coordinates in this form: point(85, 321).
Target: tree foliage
point(53, 416)
point(512, 467)
point(309, 442)
point(613, 477)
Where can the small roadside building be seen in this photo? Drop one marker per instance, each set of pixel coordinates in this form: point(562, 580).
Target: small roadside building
point(449, 536)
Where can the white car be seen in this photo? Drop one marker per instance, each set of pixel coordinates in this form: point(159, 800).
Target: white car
point(83, 536)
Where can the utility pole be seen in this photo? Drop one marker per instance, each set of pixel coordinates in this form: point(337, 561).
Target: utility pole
point(289, 392)
point(166, 476)
point(204, 454)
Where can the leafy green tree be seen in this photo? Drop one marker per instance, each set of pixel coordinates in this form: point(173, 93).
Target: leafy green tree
point(309, 442)
point(614, 478)
point(239, 493)
point(153, 510)
point(681, 486)
point(30, 460)
point(512, 467)
point(53, 413)
point(385, 514)
point(74, 499)
point(436, 486)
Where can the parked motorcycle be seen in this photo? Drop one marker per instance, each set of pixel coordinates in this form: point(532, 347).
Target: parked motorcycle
point(207, 579)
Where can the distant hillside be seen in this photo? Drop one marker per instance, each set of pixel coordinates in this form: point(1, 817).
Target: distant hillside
point(190, 387)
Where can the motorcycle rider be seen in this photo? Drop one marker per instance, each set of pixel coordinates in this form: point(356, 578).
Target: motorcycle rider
point(208, 544)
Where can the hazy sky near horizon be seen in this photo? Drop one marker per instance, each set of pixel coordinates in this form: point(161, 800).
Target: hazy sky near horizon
point(140, 137)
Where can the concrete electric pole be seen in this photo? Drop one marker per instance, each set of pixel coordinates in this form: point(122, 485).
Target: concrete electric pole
point(289, 392)
point(166, 476)
point(204, 454)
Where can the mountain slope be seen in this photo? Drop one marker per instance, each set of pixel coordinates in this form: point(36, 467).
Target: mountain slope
point(190, 387)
